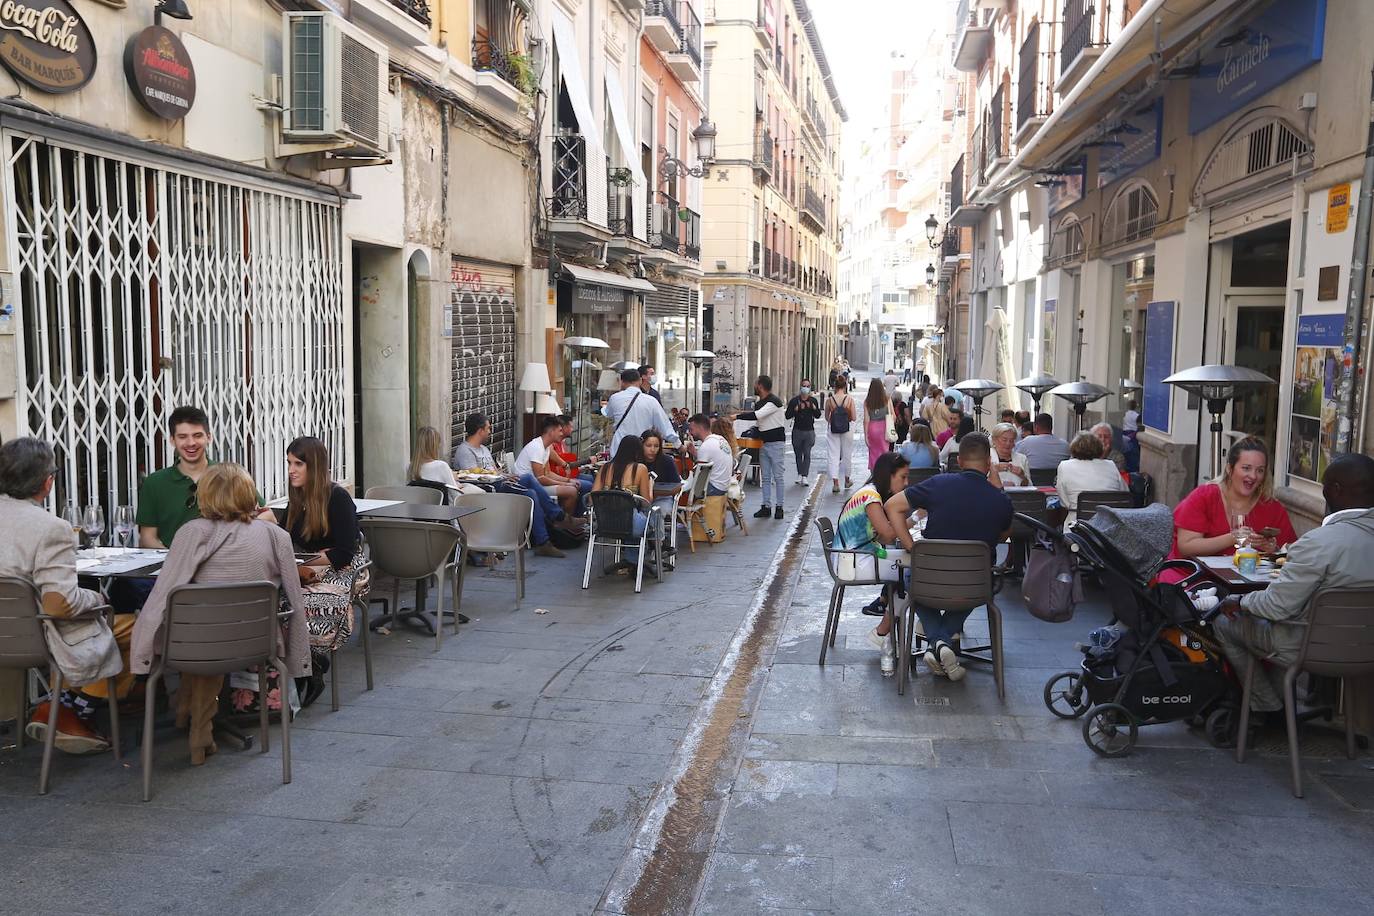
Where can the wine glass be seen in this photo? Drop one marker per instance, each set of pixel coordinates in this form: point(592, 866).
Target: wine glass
point(124, 526)
point(93, 523)
point(1238, 529)
point(72, 516)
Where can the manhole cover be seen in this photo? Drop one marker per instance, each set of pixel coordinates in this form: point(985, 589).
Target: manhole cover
point(931, 701)
point(510, 573)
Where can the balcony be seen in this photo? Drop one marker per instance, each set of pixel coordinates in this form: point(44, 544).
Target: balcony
point(966, 180)
point(998, 151)
point(1082, 44)
point(620, 207)
point(569, 211)
point(763, 153)
point(766, 265)
point(973, 39)
point(1032, 88)
point(756, 262)
point(813, 208)
point(685, 61)
point(664, 234)
point(763, 29)
point(662, 26)
point(415, 9)
point(691, 242)
point(501, 72)
point(814, 118)
point(956, 185)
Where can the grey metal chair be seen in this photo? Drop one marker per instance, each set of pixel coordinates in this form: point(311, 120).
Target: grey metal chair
point(920, 475)
point(952, 576)
point(214, 630)
point(736, 509)
point(421, 496)
point(359, 602)
point(22, 646)
point(1034, 504)
point(503, 526)
point(826, 528)
point(1090, 500)
point(611, 524)
point(1339, 642)
point(1043, 477)
point(404, 549)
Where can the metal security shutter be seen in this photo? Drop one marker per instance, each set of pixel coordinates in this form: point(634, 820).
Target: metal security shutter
point(668, 301)
point(141, 287)
point(482, 356)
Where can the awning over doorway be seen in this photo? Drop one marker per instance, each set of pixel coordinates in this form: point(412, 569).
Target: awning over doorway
point(607, 278)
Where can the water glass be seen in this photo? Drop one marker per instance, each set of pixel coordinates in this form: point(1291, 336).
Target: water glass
point(124, 526)
point(93, 523)
point(72, 516)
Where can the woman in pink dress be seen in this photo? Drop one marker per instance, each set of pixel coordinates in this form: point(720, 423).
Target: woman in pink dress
point(1240, 502)
point(877, 408)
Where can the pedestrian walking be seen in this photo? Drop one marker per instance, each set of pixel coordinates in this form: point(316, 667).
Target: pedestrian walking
point(839, 438)
point(769, 414)
point(879, 428)
point(803, 410)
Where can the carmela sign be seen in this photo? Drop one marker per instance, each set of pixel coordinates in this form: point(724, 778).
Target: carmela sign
point(46, 44)
point(589, 299)
point(160, 72)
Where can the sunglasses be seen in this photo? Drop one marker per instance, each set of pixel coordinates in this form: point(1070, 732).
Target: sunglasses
point(191, 501)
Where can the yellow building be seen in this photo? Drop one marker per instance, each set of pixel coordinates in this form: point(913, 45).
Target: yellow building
point(771, 224)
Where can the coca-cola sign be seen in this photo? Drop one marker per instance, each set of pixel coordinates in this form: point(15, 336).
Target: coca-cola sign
point(46, 44)
point(160, 72)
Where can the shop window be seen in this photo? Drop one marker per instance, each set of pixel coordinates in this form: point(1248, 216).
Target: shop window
point(1131, 216)
point(1260, 258)
point(1259, 147)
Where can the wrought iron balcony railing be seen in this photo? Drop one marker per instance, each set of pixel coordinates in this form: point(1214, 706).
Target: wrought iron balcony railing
point(1031, 99)
point(569, 200)
point(949, 245)
point(668, 9)
point(691, 241)
point(691, 32)
point(956, 185)
point(995, 136)
point(978, 164)
point(489, 57)
point(416, 9)
point(663, 225)
point(763, 151)
point(1078, 31)
point(813, 206)
point(620, 209)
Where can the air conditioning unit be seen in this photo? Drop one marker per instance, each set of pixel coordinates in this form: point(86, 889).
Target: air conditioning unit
point(335, 82)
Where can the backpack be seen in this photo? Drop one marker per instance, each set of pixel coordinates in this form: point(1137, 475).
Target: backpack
point(839, 417)
point(1051, 586)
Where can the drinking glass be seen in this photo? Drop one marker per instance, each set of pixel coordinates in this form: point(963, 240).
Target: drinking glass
point(93, 523)
point(72, 516)
point(124, 526)
point(1238, 529)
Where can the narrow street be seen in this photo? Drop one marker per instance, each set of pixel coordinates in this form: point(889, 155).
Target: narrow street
point(533, 764)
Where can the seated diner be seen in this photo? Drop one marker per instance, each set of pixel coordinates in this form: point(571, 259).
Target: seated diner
point(864, 525)
point(1010, 468)
point(1084, 471)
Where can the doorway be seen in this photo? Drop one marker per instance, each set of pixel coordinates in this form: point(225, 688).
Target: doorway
point(1255, 280)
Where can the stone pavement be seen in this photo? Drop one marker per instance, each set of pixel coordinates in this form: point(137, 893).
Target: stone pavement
point(554, 763)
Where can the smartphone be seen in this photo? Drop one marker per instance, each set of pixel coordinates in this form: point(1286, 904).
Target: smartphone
point(1270, 532)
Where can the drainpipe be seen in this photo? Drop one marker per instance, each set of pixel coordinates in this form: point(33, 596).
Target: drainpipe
point(1347, 403)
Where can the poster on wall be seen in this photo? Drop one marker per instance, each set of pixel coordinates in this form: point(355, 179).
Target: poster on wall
point(1159, 364)
point(1316, 376)
point(1047, 332)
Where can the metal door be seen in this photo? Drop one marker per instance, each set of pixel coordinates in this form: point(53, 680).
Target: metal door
point(482, 352)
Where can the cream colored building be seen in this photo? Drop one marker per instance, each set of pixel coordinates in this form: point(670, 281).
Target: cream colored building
point(771, 223)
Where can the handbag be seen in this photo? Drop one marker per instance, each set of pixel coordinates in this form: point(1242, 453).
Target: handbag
point(891, 433)
point(860, 567)
point(1051, 586)
point(84, 649)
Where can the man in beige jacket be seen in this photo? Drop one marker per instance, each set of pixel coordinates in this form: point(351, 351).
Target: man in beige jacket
point(40, 548)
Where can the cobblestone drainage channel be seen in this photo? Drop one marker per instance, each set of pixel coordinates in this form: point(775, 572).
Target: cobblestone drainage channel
point(664, 870)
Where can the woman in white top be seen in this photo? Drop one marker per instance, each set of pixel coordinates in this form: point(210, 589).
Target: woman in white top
point(951, 446)
point(425, 463)
point(1085, 470)
point(1009, 468)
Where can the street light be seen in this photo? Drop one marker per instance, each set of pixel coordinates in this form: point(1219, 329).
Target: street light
point(1036, 386)
point(932, 227)
point(172, 9)
point(1217, 385)
point(930, 275)
point(704, 139)
point(978, 389)
point(1080, 395)
point(696, 358)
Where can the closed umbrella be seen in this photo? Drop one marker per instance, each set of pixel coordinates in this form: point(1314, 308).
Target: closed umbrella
point(996, 363)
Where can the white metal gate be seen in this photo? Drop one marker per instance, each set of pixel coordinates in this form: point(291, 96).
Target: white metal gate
point(140, 288)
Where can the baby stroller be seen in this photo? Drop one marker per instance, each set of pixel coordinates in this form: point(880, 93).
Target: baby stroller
point(1158, 662)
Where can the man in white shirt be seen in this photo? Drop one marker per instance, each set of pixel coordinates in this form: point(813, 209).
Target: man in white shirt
point(534, 459)
point(771, 418)
point(1044, 450)
point(890, 381)
point(632, 412)
point(713, 450)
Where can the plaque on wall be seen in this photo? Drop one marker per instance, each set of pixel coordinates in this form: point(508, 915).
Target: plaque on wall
point(1328, 283)
point(160, 72)
point(46, 44)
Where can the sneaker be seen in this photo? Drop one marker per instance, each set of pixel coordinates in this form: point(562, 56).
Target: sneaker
point(777, 513)
point(877, 640)
point(874, 608)
point(933, 663)
point(835, 487)
point(73, 735)
point(848, 484)
point(950, 662)
point(765, 512)
point(547, 549)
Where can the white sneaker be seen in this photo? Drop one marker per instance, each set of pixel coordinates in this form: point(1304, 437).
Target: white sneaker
point(933, 663)
point(950, 662)
point(877, 640)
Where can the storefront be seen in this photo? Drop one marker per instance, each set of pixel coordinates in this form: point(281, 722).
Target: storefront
point(671, 328)
point(481, 323)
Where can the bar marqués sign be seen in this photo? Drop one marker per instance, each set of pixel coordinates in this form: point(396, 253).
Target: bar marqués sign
point(46, 44)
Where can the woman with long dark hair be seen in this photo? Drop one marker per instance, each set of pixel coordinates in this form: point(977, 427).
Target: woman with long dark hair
point(322, 520)
point(877, 414)
point(626, 471)
point(864, 525)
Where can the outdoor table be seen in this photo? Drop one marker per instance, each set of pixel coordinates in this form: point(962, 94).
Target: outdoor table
point(1224, 572)
point(415, 512)
point(106, 563)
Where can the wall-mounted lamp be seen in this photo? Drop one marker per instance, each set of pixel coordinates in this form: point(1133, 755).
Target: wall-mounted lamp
point(930, 275)
point(932, 227)
point(704, 140)
point(172, 9)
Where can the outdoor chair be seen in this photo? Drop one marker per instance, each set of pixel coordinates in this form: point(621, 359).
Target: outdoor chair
point(1032, 503)
point(951, 576)
point(736, 507)
point(697, 481)
point(920, 475)
point(420, 496)
point(508, 463)
point(503, 526)
point(214, 630)
point(22, 646)
point(1090, 500)
point(1339, 642)
point(952, 464)
point(826, 528)
point(611, 524)
point(1044, 477)
point(404, 549)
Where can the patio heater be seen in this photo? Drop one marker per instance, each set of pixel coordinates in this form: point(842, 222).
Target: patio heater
point(1080, 395)
point(582, 348)
point(624, 364)
point(696, 358)
point(978, 389)
point(1036, 386)
point(1218, 385)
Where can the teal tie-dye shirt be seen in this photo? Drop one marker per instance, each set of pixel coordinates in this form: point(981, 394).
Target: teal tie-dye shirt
point(856, 531)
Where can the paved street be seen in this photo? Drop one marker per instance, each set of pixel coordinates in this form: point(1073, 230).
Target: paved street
point(533, 764)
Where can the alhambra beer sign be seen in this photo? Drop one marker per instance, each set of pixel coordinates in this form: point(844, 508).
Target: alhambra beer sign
point(46, 44)
point(161, 73)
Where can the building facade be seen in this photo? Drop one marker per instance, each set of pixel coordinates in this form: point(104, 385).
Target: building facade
point(770, 246)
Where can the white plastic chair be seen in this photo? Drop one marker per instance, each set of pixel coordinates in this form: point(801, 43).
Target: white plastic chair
point(503, 526)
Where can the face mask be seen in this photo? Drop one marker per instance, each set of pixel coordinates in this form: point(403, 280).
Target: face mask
point(805, 391)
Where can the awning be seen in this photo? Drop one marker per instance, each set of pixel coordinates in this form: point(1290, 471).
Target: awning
point(615, 100)
point(570, 68)
point(607, 278)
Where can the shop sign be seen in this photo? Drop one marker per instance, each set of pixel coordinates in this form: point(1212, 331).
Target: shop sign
point(590, 299)
point(1269, 50)
point(1067, 190)
point(1316, 379)
point(1159, 364)
point(160, 72)
point(46, 44)
point(1338, 208)
point(1140, 136)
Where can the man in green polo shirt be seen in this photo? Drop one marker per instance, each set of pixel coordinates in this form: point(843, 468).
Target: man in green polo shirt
point(167, 498)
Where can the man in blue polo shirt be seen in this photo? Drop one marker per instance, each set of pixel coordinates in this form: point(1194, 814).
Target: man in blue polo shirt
point(959, 507)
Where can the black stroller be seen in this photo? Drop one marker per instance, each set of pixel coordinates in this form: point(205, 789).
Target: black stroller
point(1158, 661)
